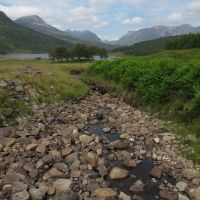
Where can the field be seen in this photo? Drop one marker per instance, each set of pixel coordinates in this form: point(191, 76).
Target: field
point(166, 84)
point(54, 84)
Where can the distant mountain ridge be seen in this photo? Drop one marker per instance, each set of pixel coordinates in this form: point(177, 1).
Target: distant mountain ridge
point(84, 36)
point(155, 32)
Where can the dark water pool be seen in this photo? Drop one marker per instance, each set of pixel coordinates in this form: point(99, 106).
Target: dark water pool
point(97, 129)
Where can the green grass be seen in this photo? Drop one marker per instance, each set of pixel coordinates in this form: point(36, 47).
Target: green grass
point(56, 84)
point(167, 84)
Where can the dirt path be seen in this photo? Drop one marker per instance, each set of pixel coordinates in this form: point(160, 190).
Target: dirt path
point(97, 148)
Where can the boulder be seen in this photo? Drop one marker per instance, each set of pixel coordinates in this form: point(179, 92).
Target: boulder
point(156, 172)
point(104, 193)
point(190, 174)
point(168, 195)
point(118, 173)
point(62, 185)
point(197, 193)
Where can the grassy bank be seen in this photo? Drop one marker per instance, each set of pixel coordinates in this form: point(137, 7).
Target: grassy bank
point(53, 85)
point(167, 84)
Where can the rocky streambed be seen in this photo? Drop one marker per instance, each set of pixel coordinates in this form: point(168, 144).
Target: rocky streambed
point(93, 149)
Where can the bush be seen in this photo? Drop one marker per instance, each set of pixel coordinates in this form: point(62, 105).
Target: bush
point(160, 82)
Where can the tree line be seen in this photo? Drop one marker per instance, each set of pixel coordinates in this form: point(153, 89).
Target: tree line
point(189, 41)
point(77, 53)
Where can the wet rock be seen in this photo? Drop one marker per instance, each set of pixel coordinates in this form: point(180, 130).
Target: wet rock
point(118, 173)
point(190, 174)
point(63, 185)
point(118, 144)
point(104, 193)
point(24, 195)
point(36, 194)
point(181, 186)
point(138, 186)
point(156, 172)
point(106, 130)
point(86, 139)
point(197, 193)
point(168, 195)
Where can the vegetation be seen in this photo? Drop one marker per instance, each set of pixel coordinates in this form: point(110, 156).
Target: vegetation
point(166, 85)
point(54, 85)
point(16, 38)
point(80, 51)
point(146, 47)
point(190, 41)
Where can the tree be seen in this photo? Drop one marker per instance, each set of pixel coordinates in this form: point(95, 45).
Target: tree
point(103, 53)
point(61, 53)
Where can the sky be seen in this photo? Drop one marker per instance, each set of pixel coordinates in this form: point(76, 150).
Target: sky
point(109, 19)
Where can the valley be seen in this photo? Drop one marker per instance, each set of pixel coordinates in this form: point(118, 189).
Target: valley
point(83, 118)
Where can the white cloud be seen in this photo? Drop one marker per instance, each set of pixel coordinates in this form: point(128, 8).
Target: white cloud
point(133, 21)
point(85, 17)
point(18, 11)
point(174, 17)
point(194, 8)
point(109, 37)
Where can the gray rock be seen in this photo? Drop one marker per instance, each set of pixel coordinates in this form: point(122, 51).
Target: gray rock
point(181, 186)
point(24, 195)
point(36, 194)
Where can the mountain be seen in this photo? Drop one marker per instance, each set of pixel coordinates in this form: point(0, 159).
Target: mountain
point(22, 39)
point(36, 23)
point(155, 32)
point(87, 36)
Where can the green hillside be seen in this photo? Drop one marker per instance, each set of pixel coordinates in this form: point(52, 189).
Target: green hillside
point(16, 38)
point(189, 41)
point(146, 47)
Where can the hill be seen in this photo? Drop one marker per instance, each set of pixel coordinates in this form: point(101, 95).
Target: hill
point(155, 32)
point(22, 39)
point(189, 41)
point(36, 23)
point(146, 47)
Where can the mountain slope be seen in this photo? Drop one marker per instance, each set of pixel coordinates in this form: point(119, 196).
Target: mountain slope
point(155, 32)
point(36, 23)
point(146, 47)
point(24, 39)
point(87, 36)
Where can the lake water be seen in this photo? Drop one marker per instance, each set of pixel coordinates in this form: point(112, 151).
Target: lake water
point(24, 56)
point(33, 56)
